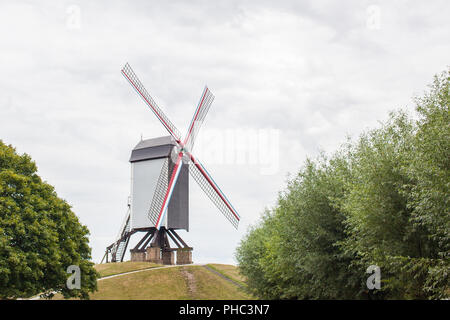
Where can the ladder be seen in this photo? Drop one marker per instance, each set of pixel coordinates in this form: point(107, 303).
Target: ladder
point(119, 248)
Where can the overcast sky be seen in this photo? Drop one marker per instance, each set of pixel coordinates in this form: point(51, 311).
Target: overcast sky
point(290, 78)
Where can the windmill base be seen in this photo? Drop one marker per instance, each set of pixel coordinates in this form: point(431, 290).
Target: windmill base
point(163, 256)
point(154, 247)
point(184, 256)
point(137, 256)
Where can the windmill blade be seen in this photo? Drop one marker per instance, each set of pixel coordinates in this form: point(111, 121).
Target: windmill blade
point(206, 182)
point(129, 74)
point(163, 192)
point(159, 194)
point(199, 115)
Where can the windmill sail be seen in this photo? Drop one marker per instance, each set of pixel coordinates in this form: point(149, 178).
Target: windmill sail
point(199, 115)
point(160, 192)
point(212, 190)
point(140, 89)
point(169, 190)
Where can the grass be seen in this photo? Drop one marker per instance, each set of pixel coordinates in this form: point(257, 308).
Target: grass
point(210, 286)
point(176, 283)
point(108, 269)
point(230, 272)
point(161, 284)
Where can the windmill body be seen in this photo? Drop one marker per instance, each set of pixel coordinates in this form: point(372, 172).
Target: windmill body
point(149, 159)
point(159, 198)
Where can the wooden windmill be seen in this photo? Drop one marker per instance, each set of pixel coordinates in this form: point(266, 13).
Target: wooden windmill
point(159, 201)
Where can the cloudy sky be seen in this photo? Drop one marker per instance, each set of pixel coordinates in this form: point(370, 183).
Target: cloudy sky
point(290, 78)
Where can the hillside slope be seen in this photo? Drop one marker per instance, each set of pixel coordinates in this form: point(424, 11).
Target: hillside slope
point(154, 282)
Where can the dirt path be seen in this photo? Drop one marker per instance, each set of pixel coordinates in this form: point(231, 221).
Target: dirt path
point(190, 281)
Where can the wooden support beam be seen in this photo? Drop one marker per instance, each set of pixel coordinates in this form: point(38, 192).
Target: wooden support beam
point(179, 238)
point(142, 240)
point(147, 242)
point(166, 241)
point(156, 239)
point(173, 238)
point(125, 249)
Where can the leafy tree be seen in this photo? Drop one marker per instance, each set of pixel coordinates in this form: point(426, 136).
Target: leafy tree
point(428, 195)
point(292, 254)
point(382, 200)
point(253, 254)
point(312, 222)
point(398, 206)
point(39, 234)
point(378, 220)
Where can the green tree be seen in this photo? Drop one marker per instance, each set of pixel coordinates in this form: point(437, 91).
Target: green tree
point(292, 254)
point(313, 224)
point(378, 222)
point(397, 207)
point(428, 195)
point(382, 200)
point(253, 255)
point(39, 234)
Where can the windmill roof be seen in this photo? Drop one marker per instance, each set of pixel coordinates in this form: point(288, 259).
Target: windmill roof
point(160, 141)
point(152, 149)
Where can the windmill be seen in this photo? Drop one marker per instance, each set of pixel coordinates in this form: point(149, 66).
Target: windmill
point(158, 204)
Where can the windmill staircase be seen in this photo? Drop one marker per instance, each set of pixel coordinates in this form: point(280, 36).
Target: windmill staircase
point(118, 249)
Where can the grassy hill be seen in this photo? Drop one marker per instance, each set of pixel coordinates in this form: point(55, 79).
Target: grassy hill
point(108, 269)
point(156, 282)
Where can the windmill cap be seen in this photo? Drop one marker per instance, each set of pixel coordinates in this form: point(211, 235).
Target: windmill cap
point(152, 149)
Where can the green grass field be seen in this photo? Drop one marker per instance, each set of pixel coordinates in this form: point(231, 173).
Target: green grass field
point(173, 283)
point(108, 269)
point(229, 271)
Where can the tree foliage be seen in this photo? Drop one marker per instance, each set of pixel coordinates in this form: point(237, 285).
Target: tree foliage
point(381, 200)
point(39, 234)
